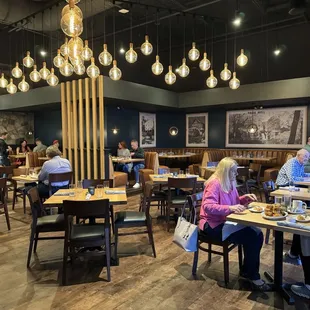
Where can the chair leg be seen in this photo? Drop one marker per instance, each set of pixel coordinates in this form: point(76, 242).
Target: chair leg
point(108, 254)
point(267, 236)
point(209, 253)
point(112, 218)
point(115, 244)
point(226, 264)
point(36, 242)
point(32, 234)
point(14, 198)
point(64, 262)
point(6, 212)
point(240, 257)
point(195, 262)
point(151, 237)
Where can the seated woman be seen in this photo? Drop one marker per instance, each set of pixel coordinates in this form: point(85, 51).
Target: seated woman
point(123, 151)
point(23, 147)
point(220, 199)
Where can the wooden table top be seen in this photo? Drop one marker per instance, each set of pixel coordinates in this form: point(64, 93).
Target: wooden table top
point(254, 158)
point(256, 219)
point(176, 156)
point(164, 179)
point(25, 178)
point(302, 194)
point(126, 160)
point(19, 156)
point(115, 199)
point(305, 181)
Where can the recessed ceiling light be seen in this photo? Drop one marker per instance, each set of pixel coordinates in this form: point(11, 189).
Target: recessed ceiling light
point(122, 50)
point(43, 53)
point(123, 11)
point(237, 21)
point(277, 51)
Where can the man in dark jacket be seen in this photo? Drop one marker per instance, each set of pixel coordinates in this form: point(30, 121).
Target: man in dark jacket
point(4, 150)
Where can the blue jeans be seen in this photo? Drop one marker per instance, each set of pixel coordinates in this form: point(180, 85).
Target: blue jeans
point(136, 168)
point(251, 242)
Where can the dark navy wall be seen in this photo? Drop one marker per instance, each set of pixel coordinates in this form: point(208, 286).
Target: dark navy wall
point(217, 127)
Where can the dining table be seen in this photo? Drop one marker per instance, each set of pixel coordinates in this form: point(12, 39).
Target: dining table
point(26, 178)
point(163, 178)
point(122, 160)
point(18, 156)
point(299, 193)
point(249, 218)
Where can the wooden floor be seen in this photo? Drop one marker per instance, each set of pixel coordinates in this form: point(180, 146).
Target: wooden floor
point(139, 282)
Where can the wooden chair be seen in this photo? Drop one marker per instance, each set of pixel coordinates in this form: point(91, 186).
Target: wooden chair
point(7, 172)
point(131, 219)
point(194, 202)
point(59, 177)
point(3, 201)
point(20, 190)
point(87, 235)
point(41, 223)
point(176, 202)
point(242, 180)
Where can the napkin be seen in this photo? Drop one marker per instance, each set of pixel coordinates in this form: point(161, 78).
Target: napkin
point(159, 176)
point(286, 188)
point(115, 192)
point(63, 194)
point(294, 225)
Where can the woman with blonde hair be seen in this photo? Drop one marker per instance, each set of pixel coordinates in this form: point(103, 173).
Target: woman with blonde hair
point(220, 199)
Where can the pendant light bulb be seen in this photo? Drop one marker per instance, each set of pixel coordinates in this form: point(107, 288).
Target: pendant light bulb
point(76, 61)
point(44, 72)
point(28, 61)
point(131, 56)
point(17, 72)
point(105, 58)
point(11, 87)
point(183, 69)
point(225, 73)
point(74, 1)
point(211, 80)
point(146, 47)
point(242, 59)
point(35, 75)
point(170, 77)
point(67, 68)
point(23, 86)
point(115, 73)
point(79, 69)
point(52, 79)
point(234, 83)
point(75, 8)
point(58, 60)
point(71, 23)
point(193, 54)
point(87, 53)
point(64, 50)
point(75, 47)
point(3, 81)
point(204, 63)
point(93, 71)
point(157, 67)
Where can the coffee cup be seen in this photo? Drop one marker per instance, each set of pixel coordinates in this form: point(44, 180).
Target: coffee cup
point(298, 206)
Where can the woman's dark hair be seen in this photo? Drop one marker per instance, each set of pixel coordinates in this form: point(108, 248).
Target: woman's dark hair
point(123, 144)
point(21, 141)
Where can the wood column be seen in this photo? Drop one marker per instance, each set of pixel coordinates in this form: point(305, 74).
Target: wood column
point(64, 119)
point(101, 126)
point(81, 128)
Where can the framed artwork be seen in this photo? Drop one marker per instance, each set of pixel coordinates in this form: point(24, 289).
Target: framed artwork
point(147, 129)
point(267, 128)
point(197, 130)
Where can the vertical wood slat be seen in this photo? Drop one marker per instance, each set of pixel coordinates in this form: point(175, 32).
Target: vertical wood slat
point(94, 110)
point(88, 159)
point(81, 128)
point(101, 126)
point(69, 128)
point(75, 133)
point(64, 119)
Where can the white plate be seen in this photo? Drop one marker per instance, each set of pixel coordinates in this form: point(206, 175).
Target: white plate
point(275, 218)
point(302, 212)
point(307, 220)
point(252, 209)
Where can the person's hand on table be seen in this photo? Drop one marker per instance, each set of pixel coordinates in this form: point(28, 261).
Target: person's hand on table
point(9, 148)
point(251, 197)
point(237, 208)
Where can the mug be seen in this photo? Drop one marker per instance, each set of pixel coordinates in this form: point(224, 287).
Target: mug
point(298, 206)
point(91, 190)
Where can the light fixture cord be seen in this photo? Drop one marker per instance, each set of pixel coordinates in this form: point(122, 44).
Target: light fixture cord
point(114, 30)
point(43, 34)
point(92, 24)
point(104, 34)
point(170, 41)
point(184, 35)
point(194, 18)
point(212, 44)
point(51, 42)
point(86, 23)
point(146, 15)
point(131, 25)
point(205, 36)
point(157, 35)
point(34, 42)
point(23, 39)
point(235, 52)
point(226, 44)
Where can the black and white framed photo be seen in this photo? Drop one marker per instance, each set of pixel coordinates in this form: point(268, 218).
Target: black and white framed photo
point(268, 128)
point(197, 130)
point(147, 129)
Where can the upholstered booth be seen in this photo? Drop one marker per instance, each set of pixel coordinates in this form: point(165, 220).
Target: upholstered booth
point(120, 179)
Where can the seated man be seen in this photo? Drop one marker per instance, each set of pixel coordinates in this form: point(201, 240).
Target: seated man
point(293, 168)
point(135, 152)
point(55, 146)
point(39, 146)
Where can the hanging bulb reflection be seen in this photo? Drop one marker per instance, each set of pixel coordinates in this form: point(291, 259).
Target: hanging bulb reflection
point(35, 75)
point(87, 53)
point(93, 71)
point(157, 67)
point(67, 68)
point(183, 69)
point(11, 87)
point(23, 86)
point(52, 79)
point(28, 61)
point(170, 77)
point(79, 69)
point(17, 72)
point(242, 59)
point(75, 47)
point(58, 60)
point(64, 50)
point(225, 73)
point(193, 54)
point(146, 47)
point(115, 73)
point(105, 58)
point(44, 72)
point(131, 56)
point(204, 63)
point(71, 23)
point(211, 80)
point(234, 83)
point(3, 81)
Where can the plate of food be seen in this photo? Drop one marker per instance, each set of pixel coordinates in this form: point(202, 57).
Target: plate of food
point(256, 209)
point(303, 218)
point(273, 212)
point(297, 212)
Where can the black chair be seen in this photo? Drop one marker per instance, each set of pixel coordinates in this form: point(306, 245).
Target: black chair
point(42, 223)
point(86, 235)
point(242, 180)
point(194, 202)
point(19, 191)
point(253, 182)
point(131, 219)
point(58, 177)
point(3, 200)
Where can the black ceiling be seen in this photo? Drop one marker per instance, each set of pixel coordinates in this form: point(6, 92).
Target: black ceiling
point(266, 25)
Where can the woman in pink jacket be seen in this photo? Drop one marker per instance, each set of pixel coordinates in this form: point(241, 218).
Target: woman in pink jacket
point(220, 199)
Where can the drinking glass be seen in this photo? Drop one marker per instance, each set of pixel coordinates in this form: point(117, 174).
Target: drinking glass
point(181, 172)
point(286, 202)
point(79, 187)
point(71, 190)
point(187, 171)
point(291, 186)
point(99, 191)
point(106, 184)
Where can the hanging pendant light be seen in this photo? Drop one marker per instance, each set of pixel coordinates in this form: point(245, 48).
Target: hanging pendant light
point(93, 71)
point(75, 8)
point(225, 73)
point(105, 58)
point(87, 53)
point(146, 47)
point(3, 81)
point(75, 47)
point(23, 86)
point(204, 63)
point(67, 68)
point(131, 56)
point(234, 83)
point(79, 69)
point(58, 60)
point(11, 87)
point(242, 59)
point(17, 72)
point(75, 1)
point(64, 50)
point(28, 61)
point(183, 69)
point(52, 79)
point(115, 73)
point(211, 80)
point(253, 128)
point(170, 77)
point(35, 75)
point(71, 23)
point(193, 54)
point(76, 61)
point(44, 72)
point(157, 67)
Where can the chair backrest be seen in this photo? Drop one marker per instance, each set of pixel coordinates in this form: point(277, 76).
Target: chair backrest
point(243, 173)
point(32, 160)
point(20, 171)
point(111, 168)
point(194, 204)
point(37, 209)
point(274, 174)
point(179, 183)
point(3, 190)
point(255, 170)
point(92, 182)
point(7, 170)
point(151, 161)
point(59, 177)
point(268, 187)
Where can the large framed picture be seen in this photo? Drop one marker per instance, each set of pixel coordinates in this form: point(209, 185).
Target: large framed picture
point(197, 130)
point(147, 129)
point(267, 128)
